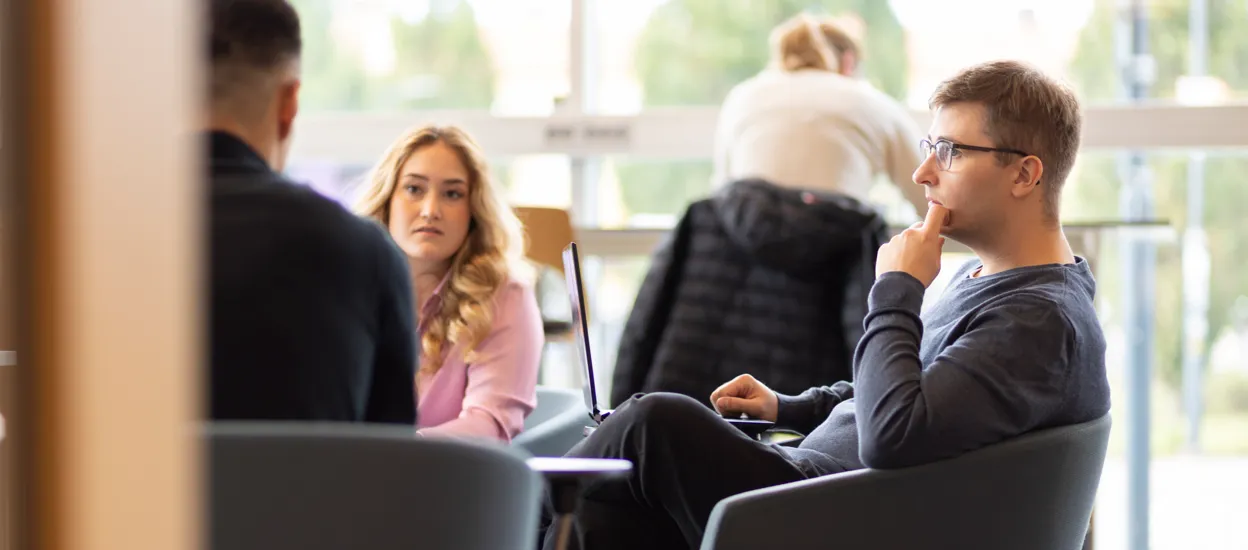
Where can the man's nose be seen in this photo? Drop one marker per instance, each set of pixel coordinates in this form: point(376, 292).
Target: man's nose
point(925, 174)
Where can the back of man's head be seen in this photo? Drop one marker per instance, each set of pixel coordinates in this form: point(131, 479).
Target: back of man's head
point(1026, 110)
point(254, 71)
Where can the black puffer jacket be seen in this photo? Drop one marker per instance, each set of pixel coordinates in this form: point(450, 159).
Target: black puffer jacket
point(757, 279)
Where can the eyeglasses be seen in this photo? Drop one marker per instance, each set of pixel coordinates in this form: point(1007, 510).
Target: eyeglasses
point(945, 148)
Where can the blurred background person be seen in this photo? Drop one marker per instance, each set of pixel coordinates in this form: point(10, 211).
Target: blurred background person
point(807, 122)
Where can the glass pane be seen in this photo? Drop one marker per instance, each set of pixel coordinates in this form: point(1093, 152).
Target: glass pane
point(691, 52)
point(537, 180)
point(1197, 340)
point(647, 193)
point(1228, 51)
point(611, 285)
point(368, 55)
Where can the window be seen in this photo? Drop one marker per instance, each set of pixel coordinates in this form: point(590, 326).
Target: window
point(611, 283)
point(510, 57)
point(661, 53)
point(529, 180)
point(648, 193)
point(1198, 411)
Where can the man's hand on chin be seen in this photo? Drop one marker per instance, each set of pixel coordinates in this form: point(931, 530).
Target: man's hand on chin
point(917, 249)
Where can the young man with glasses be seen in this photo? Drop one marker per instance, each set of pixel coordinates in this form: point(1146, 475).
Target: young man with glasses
point(1013, 345)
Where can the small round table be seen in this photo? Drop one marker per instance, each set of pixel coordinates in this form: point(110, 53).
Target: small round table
point(566, 477)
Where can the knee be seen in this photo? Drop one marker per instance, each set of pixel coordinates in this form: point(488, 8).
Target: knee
point(644, 418)
point(662, 411)
point(661, 403)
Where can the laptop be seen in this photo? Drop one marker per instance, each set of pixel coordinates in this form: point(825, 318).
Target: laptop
point(580, 328)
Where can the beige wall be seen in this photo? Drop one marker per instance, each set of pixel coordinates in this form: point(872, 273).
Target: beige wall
point(110, 366)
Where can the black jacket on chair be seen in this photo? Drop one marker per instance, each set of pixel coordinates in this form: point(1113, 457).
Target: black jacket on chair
point(757, 279)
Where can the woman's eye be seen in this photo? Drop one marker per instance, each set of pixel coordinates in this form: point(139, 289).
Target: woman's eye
point(411, 189)
point(455, 194)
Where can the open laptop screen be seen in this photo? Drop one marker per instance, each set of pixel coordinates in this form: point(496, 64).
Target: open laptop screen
point(580, 327)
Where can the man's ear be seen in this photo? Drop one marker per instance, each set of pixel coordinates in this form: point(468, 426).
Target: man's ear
point(287, 108)
point(1030, 169)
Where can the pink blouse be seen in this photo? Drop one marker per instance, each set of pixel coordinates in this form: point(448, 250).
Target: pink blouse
point(490, 396)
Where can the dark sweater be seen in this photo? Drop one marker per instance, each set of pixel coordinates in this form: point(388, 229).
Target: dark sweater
point(993, 358)
point(310, 306)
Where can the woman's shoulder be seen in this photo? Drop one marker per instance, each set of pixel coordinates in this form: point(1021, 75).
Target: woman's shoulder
point(515, 305)
point(516, 290)
point(517, 283)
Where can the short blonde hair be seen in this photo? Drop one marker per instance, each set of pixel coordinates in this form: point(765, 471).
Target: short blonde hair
point(805, 42)
point(492, 252)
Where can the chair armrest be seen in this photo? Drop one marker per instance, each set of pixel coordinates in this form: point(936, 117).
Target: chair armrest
point(555, 436)
point(1035, 492)
point(795, 516)
point(862, 509)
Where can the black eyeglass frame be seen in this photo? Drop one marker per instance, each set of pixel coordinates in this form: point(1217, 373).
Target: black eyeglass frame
point(928, 147)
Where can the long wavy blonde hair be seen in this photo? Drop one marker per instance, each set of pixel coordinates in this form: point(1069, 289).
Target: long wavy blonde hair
point(492, 251)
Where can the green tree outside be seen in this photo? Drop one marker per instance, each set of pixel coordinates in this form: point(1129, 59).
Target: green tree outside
point(440, 62)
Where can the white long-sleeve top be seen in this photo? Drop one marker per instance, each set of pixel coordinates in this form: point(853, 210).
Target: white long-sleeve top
point(817, 130)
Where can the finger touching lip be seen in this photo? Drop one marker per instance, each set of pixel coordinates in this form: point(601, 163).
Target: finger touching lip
point(937, 218)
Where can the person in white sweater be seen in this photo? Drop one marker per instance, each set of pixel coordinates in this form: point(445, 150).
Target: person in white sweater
point(806, 122)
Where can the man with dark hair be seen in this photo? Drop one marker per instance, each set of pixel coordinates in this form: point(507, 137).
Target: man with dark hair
point(1013, 345)
point(311, 306)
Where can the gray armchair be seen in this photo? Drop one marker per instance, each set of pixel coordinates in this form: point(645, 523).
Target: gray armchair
point(555, 425)
point(347, 486)
point(1034, 492)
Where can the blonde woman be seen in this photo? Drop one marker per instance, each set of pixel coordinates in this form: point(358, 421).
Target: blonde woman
point(807, 122)
point(479, 327)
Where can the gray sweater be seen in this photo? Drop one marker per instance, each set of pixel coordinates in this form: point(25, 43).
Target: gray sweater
point(993, 358)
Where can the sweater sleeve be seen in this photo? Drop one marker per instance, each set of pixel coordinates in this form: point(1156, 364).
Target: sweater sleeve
point(807, 410)
point(1000, 377)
